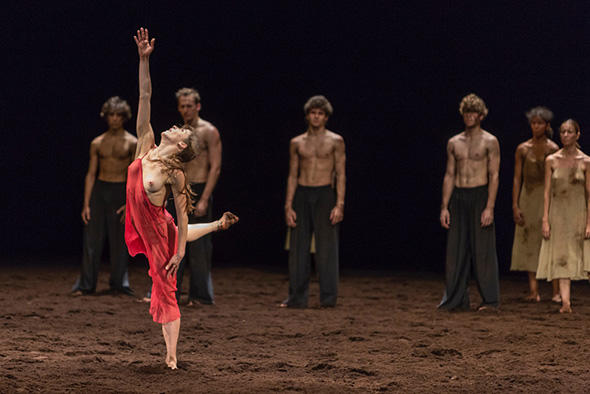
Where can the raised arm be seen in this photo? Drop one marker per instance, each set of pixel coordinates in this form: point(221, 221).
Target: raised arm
point(516, 185)
point(487, 216)
point(214, 144)
point(337, 213)
point(290, 216)
point(448, 186)
point(546, 227)
point(145, 133)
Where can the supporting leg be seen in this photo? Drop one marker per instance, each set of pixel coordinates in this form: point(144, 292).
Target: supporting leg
point(564, 290)
point(533, 288)
point(556, 297)
point(171, 332)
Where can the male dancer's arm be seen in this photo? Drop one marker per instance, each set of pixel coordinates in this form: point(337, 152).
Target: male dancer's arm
point(145, 133)
point(337, 213)
point(214, 145)
point(178, 181)
point(546, 228)
point(487, 216)
point(448, 186)
point(89, 181)
point(290, 215)
point(516, 185)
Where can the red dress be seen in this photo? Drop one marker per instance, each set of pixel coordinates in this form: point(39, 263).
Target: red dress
point(150, 229)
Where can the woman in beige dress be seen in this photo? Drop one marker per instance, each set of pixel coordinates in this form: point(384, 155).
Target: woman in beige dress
point(565, 249)
point(527, 198)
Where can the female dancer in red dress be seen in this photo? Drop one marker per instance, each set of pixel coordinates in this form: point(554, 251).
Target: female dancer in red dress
point(149, 228)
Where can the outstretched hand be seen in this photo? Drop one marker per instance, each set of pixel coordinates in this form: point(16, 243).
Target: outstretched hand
point(144, 46)
point(227, 220)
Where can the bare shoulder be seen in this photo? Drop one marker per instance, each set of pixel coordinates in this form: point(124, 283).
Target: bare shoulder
point(97, 141)
point(524, 147)
point(130, 137)
point(298, 139)
point(489, 137)
point(552, 146)
point(207, 127)
point(334, 136)
point(553, 157)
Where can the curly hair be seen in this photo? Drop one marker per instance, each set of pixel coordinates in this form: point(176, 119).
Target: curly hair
point(186, 92)
point(176, 162)
point(116, 105)
point(473, 103)
point(320, 102)
point(545, 114)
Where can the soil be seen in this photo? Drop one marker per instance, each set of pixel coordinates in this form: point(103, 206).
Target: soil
point(385, 335)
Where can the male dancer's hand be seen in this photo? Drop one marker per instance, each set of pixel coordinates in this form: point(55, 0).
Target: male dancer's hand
point(290, 217)
point(487, 217)
point(123, 211)
point(445, 218)
point(336, 215)
point(201, 208)
point(85, 214)
point(172, 266)
point(144, 46)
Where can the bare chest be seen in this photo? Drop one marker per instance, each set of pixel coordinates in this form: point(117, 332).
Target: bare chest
point(118, 149)
point(154, 180)
point(474, 150)
point(316, 149)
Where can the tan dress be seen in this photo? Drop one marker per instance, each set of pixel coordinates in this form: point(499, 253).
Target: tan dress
point(566, 254)
point(527, 238)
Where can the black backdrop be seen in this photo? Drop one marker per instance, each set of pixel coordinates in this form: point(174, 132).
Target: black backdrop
point(394, 72)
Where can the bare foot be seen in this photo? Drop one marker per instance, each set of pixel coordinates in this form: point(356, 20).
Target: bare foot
point(556, 298)
point(171, 362)
point(533, 298)
point(283, 305)
point(566, 308)
point(77, 293)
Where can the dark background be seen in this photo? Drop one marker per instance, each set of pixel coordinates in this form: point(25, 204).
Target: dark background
point(394, 72)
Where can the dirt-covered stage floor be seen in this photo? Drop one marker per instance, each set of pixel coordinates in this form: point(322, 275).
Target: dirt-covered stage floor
point(385, 336)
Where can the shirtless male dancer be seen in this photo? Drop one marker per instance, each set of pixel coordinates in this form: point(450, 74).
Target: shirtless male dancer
point(103, 212)
point(202, 174)
point(316, 157)
point(469, 193)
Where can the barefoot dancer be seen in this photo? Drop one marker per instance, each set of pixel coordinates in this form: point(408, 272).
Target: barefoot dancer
point(565, 249)
point(527, 198)
point(149, 228)
point(103, 212)
point(469, 193)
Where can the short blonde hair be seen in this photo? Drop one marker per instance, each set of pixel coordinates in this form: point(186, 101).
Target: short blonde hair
point(473, 103)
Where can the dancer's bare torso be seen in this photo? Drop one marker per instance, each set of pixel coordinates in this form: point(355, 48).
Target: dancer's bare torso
point(471, 153)
point(115, 153)
point(197, 170)
point(316, 155)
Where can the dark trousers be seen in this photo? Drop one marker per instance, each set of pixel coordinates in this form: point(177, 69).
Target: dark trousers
point(104, 223)
point(470, 249)
point(198, 255)
point(313, 206)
